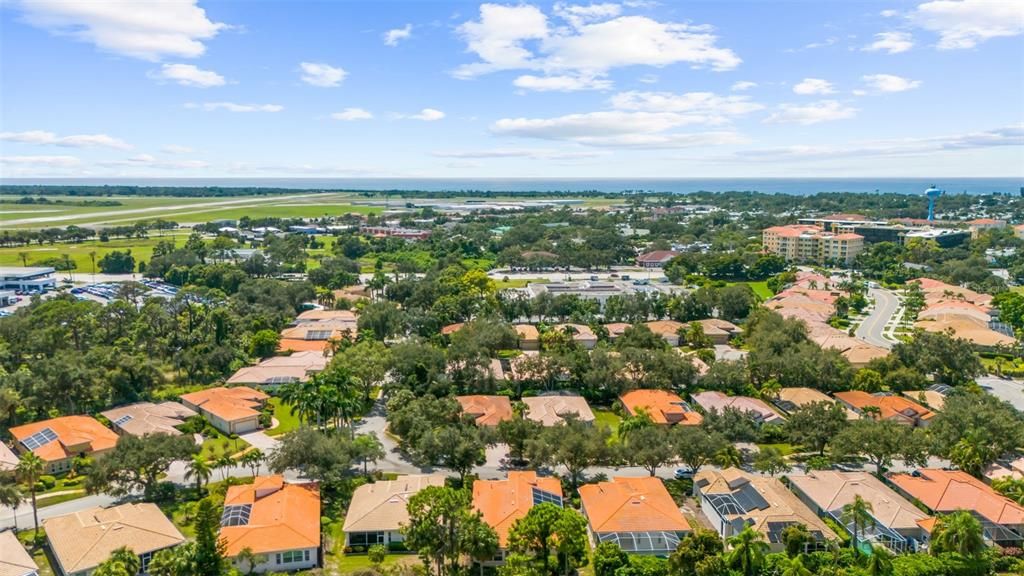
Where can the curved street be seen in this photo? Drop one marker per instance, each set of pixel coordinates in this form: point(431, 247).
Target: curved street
point(872, 329)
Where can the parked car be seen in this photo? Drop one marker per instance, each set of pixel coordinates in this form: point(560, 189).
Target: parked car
point(684, 474)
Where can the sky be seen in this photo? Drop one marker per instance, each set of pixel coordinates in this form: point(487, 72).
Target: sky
point(636, 88)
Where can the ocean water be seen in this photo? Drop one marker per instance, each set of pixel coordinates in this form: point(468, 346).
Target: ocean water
point(795, 186)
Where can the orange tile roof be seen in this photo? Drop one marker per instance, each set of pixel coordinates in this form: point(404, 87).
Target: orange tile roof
point(283, 516)
point(897, 407)
point(793, 230)
point(72, 432)
point(663, 406)
point(526, 331)
point(229, 404)
point(503, 502)
point(946, 491)
point(296, 345)
point(452, 328)
point(488, 410)
point(665, 327)
point(631, 505)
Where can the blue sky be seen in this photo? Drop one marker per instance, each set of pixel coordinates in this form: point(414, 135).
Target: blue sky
point(460, 89)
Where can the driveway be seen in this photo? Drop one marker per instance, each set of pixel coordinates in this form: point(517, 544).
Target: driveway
point(1011, 391)
point(871, 330)
point(375, 423)
point(259, 439)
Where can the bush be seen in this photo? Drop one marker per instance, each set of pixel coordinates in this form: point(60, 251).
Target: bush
point(47, 481)
point(165, 492)
point(397, 547)
point(377, 553)
point(77, 480)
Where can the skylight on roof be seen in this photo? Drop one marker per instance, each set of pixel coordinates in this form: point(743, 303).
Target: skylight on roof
point(237, 515)
point(123, 419)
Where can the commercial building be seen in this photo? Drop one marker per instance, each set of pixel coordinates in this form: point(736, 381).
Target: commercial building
point(503, 502)
point(379, 510)
point(946, 491)
point(230, 410)
point(638, 514)
point(414, 234)
point(895, 521)
point(277, 521)
point(59, 441)
point(82, 541)
point(733, 499)
point(811, 244)
point(551, 409)
point(662, 406)
point(897, 232)
point(144, 418)
point(656, 259)
point(27, 278)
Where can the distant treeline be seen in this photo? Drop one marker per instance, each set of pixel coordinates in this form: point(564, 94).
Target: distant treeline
point(42, 200)
point(173, 191)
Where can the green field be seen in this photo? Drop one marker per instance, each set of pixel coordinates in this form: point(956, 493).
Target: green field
point(759, 288)
point(286, 419)
point(142, 249)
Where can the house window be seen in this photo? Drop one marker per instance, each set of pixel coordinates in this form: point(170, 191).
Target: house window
point(144, 562)
point(293, 556)
point(365, 538)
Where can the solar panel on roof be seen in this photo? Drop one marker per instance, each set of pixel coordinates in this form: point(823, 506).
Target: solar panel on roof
point(540, 496)
point(318, 334)
point(941, 389)
point(750, 499)
point(41, 438)
point(237, 515)
point(123, 419)
point(280, 379)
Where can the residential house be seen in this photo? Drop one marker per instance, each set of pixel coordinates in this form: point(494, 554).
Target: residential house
point(379, 510)
point(662, 406)
point(934, 397)
point(503, 502)
point(230, 410)
point(581, 334)
point(277, 370)
point(945, 491)
point(81, 541)
point(638, 514)
point(732, 499)
point(59, 441)
point(719, 331)
point(277, 521)
point(887, 406)
point(754, 407)
point(667, 329)
point(333, 329)
point(895, 521)
point(452, 328)
point(14, 560)
point(529, 337)
point(144, 418)
point(293, 345)
point(790, 400)
point(551, 409)
point(8, 459)
point(656, 259)
point(616, 329)
point(486, 410)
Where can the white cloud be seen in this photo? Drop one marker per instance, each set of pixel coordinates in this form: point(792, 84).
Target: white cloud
point(743, 85)
point(233, 107)
point(149, 161)
point(532, 153)
point(859, 92)
point(189, 75)
point(596, 40)
point(715, 109)
point(393, 37)
point(889, 13)
point(891, 42)
point(176, 149)
point(427, 115)
point(1006, 136)
point(350, 114)
point(322, 75)
point(41, 161)
point(807, 114)
point(811, 86)
point(74, 141)
point(648, 79)
point(889, 83)
point(967, 23)
point(145, 30)
point(561, 83)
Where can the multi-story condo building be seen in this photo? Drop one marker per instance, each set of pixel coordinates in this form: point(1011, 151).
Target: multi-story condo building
point(812, 244)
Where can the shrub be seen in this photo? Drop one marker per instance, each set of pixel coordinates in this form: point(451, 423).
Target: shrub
point(377, 553)
point(47, 481)
point(397, 547)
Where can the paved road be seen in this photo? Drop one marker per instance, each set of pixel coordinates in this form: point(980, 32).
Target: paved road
point(871, 329)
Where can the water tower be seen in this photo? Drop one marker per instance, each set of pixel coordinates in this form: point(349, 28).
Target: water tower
point(933, 194)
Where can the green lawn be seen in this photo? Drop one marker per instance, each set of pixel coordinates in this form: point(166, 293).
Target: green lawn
point(38, 554)
point(44, 501)
point(286, 420)
point(785, 449)
point(214, 448)
point(759, 288)
point(607, 418)
point(142, 249)
point(518, 283)
point(348, 563)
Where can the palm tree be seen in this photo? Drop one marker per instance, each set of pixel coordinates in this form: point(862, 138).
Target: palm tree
point(880, 562)
point(11, 497)
point(857, 513)
point(30, 468)
point(958, 532)
point(92, 256)
point(729, 457)
point(253, 458)
point(480, 542)
point(748, 551)
point(250, 559)
point(122, 562)
point(24, 258)
point(795, 567)
point(198, 470)
point(223, 463)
